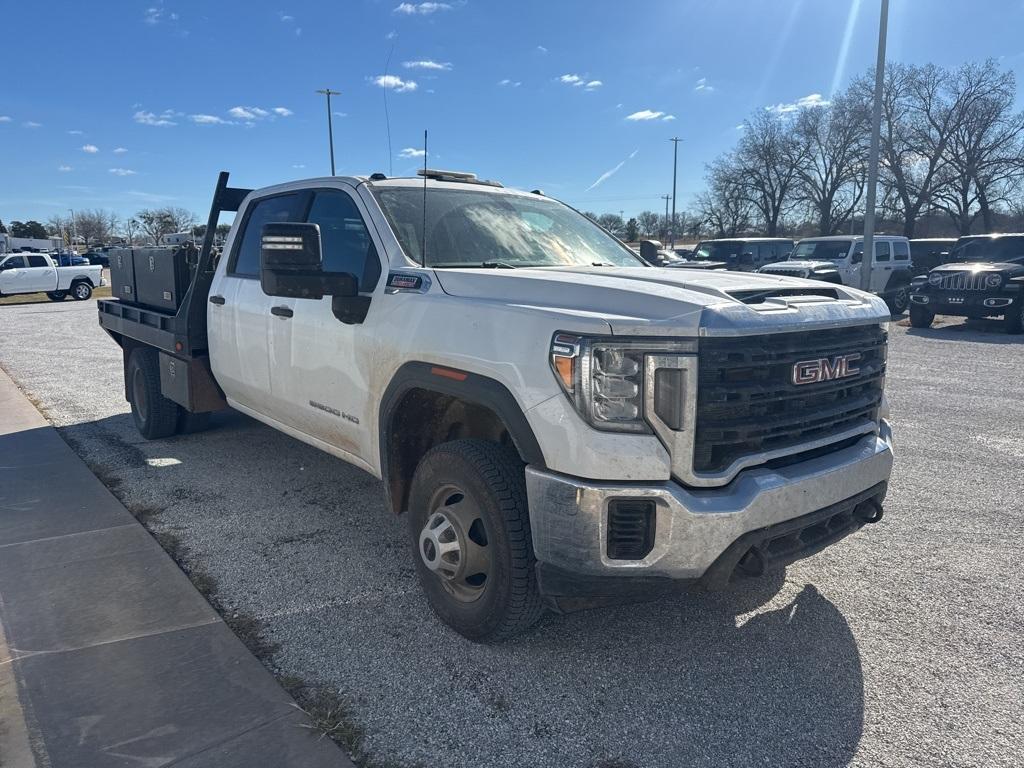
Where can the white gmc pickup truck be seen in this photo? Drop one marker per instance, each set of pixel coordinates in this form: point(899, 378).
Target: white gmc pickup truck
point(560, 423)
point(37, 273)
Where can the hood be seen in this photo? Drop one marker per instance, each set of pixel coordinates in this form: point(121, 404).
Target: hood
point(698, 264)
point(659, 301)
point(801, 265)
point(1008, 267)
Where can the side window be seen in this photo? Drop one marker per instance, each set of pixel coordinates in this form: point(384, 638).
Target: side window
point(37, 261)
point(882, 251)
point(901, 251)
point(14, 262)
point(346, 243)
point(270, 209)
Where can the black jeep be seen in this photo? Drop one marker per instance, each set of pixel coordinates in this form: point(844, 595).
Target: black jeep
point(984, 278)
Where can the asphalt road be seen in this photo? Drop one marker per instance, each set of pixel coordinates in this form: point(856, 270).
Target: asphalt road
point(901, 646)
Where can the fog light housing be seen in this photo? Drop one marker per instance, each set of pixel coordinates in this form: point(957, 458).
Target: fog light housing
point(631, 528)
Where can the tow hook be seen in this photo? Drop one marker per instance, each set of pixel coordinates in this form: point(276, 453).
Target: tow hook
point(869, 511)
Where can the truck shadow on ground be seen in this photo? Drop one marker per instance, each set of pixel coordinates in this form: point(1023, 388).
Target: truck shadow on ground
point(765, 673)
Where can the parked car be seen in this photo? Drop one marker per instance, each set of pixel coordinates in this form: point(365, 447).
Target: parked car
point(554, 418)
point(928, 253)
point(66, 259)
point(985, 278)
point(37, 273)
point(97, 257)
point(742, 254)
point(839, 259)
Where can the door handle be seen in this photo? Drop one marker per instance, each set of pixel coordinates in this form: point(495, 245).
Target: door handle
point(281, 311)
point(218, 300)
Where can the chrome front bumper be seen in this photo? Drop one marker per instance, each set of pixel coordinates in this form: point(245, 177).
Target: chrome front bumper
point(568, 515)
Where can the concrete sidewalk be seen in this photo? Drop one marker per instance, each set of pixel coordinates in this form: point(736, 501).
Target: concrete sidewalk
point(108, 654)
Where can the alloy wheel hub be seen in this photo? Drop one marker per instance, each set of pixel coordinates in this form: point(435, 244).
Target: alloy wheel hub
point(441, 547)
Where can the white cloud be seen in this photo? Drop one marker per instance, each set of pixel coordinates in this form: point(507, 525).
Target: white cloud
point(148, 118)
point(421, 9)
point(391, 35)
point(668, 117)
point(247, 113)
point(152, 16)
point(5, 119)
point(285, 17)
point(120, 151)
point(283, 112)
point(207, 119)
point(299, 165)
point(395, 83)
point(64, 168)
point(70, 133)
point(92, 149)
point(810, 101)
point(593, 84)
point(612, 171)
point(703, 87)
point(32, 124)
point(542, 49)
point(573, 80)
point(510, 83)
point(409, 152)
point(122, 171)
point(645, 114)
point(341, 114)
point(428, 64)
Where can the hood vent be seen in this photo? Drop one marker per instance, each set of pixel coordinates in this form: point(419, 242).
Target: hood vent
point(748, 296)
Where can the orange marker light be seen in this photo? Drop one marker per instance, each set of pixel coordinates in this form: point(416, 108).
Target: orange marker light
point(564, 367)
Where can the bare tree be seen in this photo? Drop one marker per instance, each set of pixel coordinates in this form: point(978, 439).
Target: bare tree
point(832, 176)
point(724, 206)
point(648, 222)
point(613, 223)
point(766, 162)
point(155, 223)
point(95, 226)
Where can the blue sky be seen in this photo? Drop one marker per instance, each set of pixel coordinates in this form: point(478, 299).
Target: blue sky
point(126, 105)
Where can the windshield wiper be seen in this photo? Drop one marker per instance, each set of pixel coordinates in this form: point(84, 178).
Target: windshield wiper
point(479, 265)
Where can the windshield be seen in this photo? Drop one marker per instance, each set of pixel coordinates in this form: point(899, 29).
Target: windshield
point(717, 251)
point(821, 250)
point(991, 249)
point(466, 228)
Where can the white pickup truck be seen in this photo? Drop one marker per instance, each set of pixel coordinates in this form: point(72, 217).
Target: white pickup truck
point(37, 273)
point(559, 422)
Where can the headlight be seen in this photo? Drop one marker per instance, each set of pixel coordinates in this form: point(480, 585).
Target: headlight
point(993, 280)
point(935, 278)
point(604, 378)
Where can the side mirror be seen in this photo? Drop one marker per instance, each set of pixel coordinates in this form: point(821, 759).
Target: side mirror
point(291, 264)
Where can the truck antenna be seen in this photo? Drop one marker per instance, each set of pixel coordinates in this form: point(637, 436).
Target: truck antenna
point(423, 242)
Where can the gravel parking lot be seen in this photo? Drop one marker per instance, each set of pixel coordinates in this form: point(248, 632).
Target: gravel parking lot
point(899, 647)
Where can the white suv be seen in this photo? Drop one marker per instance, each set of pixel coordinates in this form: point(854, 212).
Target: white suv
point(839, 259)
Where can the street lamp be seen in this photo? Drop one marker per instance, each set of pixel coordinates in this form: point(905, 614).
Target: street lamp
point(330, 124)
point(876, 122)
point(74, 230)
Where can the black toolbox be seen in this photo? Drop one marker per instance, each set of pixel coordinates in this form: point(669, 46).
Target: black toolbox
point(162, 275)
point(122, 274)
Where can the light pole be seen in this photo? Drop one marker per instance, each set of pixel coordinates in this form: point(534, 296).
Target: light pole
point(675, 162)
point(666, 199)
point(876, 123)
point(330, 123)
point(74, 230)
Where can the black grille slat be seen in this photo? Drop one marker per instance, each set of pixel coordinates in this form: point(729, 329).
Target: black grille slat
point(747, 402)
point(630, 529)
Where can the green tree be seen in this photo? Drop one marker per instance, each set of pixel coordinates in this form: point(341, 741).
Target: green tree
point(632, 230)
point(28, 229)
point(3, 229)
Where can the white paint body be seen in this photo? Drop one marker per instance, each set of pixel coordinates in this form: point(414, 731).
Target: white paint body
point(495, 323)
point(17, 277)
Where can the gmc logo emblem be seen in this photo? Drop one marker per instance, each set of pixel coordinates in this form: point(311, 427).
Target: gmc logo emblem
point(825, 369)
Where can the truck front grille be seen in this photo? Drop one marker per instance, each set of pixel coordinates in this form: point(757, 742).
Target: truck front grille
point(748, 403)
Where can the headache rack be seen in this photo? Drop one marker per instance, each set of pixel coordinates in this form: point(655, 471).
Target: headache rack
point(182, 333)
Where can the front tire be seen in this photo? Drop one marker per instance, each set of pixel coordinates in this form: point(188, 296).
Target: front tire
point(57, 295)
point(470, 535)
point(155, 416)
point(898, 300)
point(920, 316)
point(81, 291)
point(1013, 320)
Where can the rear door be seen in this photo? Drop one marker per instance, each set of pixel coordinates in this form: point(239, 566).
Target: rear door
point(315, 371)
point(239, 312)
point(41, 275)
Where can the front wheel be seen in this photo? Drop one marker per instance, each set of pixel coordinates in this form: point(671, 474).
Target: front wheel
point(155, 416)
point(81, 291)
point(470, 534)
point(1013, 320)
point(921, 316)
point(57, 295)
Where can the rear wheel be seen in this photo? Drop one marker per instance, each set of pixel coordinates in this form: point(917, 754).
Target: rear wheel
point(57, 295)
point(81, 291)
point(471, 541)
point(921, 316)
point(898, 300)
point(155, 416)
point(1013, 320)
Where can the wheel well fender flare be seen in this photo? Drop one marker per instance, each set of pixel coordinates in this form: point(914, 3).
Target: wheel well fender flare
point(898, 279)
point(468, 387)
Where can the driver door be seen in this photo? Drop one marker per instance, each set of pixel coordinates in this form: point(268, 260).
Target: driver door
point(12, 274)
